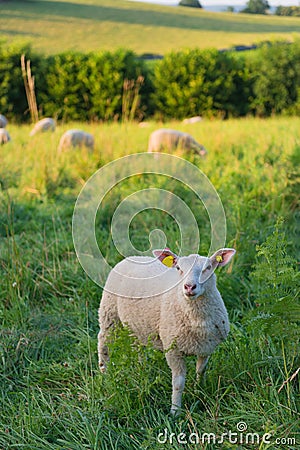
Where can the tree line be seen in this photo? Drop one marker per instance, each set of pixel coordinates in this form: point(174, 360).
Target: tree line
point(252, 7)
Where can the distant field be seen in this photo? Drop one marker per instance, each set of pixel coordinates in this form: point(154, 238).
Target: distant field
point(54, 26)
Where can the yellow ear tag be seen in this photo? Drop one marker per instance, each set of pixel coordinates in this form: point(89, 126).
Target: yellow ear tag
point(168, 261)
point(219, 258)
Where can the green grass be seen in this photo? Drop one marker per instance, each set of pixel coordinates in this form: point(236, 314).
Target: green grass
point(52, 394)
point(107, 25)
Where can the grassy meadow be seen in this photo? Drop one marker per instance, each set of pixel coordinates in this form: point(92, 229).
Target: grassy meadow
point(54, 26)
point(52, 394)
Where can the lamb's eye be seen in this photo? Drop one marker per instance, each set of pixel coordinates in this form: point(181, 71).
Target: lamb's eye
point(208, 267)
point(178, 268)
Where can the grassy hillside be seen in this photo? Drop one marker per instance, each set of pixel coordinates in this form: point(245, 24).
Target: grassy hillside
point(52, 394)
point(53, 26)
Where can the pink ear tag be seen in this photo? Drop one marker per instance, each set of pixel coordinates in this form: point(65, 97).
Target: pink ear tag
point(168, 261)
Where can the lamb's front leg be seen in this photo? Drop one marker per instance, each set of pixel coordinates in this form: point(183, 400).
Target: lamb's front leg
point(200, 365)
point(177, 364)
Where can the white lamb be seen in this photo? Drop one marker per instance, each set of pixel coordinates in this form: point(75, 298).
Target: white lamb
point(3, 121)
point(170, 301)
point(76, 138)
point(4, 136)
point(165, 138)
point(46, 124)
point(192, 120)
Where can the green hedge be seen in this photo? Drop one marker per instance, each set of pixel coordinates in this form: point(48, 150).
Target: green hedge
point(90, 87)
point(276, 80)
point(194, 82)
point(13, 103)
point(71, 86)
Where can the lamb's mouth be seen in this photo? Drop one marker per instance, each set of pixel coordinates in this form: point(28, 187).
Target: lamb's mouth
point(191, 296)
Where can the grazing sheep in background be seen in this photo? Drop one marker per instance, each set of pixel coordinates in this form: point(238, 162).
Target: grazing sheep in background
point(178, 308)
point(76, 138)
point(3, 121)
point(144, 124)
point(165, 138)
point(46, 124)
point(192, 119)
point(4, 136)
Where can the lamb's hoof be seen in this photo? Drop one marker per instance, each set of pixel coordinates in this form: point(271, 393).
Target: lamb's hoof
point(175, 411)
point(201, 379)
point(102, 368)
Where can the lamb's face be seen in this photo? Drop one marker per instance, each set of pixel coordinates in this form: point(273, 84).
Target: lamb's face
point(197, 275)
point(202, 151)
point(196, 272)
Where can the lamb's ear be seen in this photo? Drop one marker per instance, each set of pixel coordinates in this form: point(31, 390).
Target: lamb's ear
point(166, 257)
point(222, 257)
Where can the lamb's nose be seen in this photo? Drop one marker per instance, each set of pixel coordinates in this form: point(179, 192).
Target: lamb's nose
point(190, 288)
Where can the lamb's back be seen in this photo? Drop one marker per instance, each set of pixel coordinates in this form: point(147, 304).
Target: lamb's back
point(131, 287)
point(139, 277)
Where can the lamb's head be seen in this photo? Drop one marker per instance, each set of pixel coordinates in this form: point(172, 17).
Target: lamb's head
point(196, 272)
point(198, 148)
point(201, 150)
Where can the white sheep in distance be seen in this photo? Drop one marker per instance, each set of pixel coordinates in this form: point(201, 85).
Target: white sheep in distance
point(76, 138)
point(46, 124)
point(165, 138)
point(3, 121)
point(170, 301)
point(4, 136)
point(191, 120)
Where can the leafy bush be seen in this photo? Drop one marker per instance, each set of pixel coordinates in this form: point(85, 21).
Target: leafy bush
point(64, 94)
point(89, 87)
point(288, 11)
point(73, 86)
point(196, 82)
point(256, 7)
point(276, 79)
point(191, 3)
point(13, 101)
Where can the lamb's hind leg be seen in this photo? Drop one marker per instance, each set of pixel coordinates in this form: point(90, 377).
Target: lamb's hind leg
point(177, 364)
point(201, 365)
point(108, 318)
point(103, 357)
